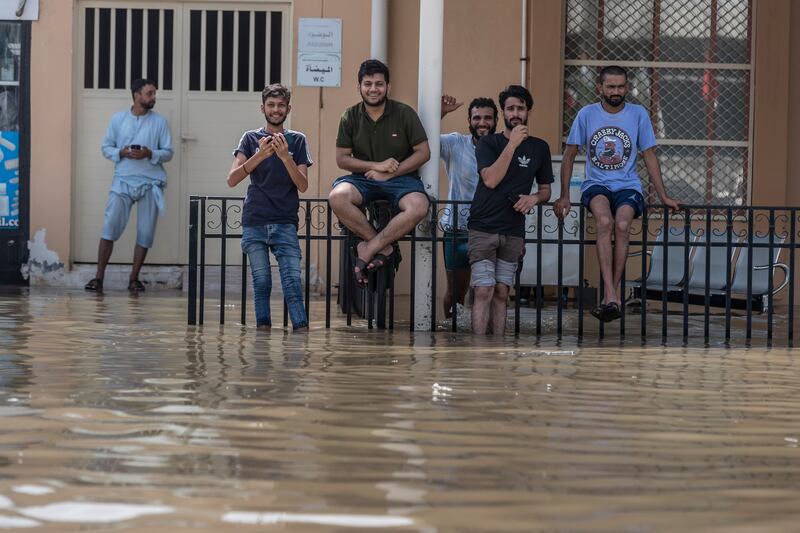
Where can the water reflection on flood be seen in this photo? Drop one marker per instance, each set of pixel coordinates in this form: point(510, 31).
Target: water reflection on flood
point(116, 415)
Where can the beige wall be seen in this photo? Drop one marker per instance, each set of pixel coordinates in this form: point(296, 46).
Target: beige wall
point(51, 124)
point(546, 23)
point(792, 182)
point(771, 101)
point(481, 55)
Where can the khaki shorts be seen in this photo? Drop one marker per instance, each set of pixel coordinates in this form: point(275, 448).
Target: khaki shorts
point(493, 258)
point(491, 247)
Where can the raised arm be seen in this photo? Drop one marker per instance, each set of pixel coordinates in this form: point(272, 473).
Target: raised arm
point(242, 166)
point(494, 174)
point(449, 104)
point(298, 173)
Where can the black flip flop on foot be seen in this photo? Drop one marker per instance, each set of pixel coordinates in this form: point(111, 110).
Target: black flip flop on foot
point(612, 312)
point(361, 275)
point(95, 285)
point(379, 261)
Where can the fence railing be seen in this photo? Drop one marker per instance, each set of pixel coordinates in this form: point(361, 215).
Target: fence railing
point(718, 258)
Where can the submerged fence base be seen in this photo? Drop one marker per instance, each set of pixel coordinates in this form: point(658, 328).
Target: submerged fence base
point(698, 266)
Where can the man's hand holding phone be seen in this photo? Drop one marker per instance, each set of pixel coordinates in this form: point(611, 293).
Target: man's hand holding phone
point(136, 151)
point(265, 147)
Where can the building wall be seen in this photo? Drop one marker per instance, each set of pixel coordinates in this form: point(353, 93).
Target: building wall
point(771, 102)
point(51, 124)
point(793, 140)
point(481, 55)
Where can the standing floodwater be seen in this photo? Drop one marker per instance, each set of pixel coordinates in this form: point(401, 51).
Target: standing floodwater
point(116, 415)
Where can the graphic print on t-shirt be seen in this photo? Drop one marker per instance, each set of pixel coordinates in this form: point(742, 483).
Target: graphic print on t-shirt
point(610, 148)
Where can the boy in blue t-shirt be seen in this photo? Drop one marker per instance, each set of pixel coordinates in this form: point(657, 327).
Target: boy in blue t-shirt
point(277, 161)
point(612, 133)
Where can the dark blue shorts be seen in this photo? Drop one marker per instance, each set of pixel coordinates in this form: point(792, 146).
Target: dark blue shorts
point(455, 250)
point(392, 190)
point(617, 199)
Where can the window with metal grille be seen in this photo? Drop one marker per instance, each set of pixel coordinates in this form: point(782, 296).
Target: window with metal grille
point(124, 44)
point(234, 50)
point(689, 64)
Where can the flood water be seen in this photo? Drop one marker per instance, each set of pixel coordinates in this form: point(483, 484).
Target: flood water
point(117, 416)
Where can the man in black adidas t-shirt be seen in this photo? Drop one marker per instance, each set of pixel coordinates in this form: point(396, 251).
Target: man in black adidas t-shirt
point(508, 162)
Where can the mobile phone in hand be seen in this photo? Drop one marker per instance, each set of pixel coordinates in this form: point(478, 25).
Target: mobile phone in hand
point(135, 147)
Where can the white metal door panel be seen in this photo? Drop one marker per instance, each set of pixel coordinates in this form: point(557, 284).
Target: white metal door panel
point(230, 55)
point(211, 61)
point(113, 35)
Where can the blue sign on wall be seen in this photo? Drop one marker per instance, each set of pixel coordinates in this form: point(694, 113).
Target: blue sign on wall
point(9, 179)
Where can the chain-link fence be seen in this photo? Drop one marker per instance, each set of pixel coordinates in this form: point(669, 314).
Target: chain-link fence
point(689, 64)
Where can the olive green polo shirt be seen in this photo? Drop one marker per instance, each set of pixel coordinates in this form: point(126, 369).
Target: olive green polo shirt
point(394, 134)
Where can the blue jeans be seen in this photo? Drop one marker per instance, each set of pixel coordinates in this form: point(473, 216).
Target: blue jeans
point(281, 239)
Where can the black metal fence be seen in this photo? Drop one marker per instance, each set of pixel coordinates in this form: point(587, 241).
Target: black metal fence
point(703, 266)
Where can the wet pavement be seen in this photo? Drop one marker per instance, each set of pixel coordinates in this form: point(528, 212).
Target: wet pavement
point(116, 415)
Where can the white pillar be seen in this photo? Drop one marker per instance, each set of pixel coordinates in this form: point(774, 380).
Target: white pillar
point(431, 29)
point(524, 47)
point(378, 48)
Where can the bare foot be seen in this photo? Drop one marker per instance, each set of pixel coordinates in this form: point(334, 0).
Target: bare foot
point(362, 253)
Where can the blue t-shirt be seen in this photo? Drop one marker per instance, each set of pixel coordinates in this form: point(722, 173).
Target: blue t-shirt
point(272, 195)
point(458, 153)
point(612, 141)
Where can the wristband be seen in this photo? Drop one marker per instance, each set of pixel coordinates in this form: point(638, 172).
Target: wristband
point(244, 167)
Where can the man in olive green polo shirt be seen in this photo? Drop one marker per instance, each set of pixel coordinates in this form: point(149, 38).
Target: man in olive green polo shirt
point(383, 144)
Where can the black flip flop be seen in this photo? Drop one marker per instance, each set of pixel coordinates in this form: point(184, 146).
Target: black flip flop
point(379, 261)
point(362, 274)
point(95, 285)
point(612, 312)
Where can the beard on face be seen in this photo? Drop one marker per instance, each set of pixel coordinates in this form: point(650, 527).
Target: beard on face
point(614, 101)
point(378, 104)
point(148, 105)
point(510, 126)
point(273, 122)
point(476, 135)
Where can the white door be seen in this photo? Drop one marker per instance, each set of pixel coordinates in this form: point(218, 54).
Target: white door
point(210, 65)
point(230, 56)
point(117, 45)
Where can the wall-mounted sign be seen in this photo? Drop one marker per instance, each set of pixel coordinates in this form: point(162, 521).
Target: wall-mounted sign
point(319, 52)
point(19, 10)
point(320, 70)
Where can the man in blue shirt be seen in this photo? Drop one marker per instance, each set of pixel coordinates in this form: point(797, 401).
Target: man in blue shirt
point(457, 151)
point(277, 161)
point(612, 132)
point(138, 141)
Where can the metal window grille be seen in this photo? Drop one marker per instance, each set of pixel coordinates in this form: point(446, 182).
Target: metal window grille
point(234, 50)
point(689, 64)
point(124, 44)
